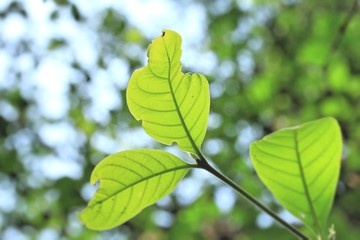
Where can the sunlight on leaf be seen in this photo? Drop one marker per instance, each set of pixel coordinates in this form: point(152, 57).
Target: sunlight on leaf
point(300, 166)
point(173, 106)
point(129, 182)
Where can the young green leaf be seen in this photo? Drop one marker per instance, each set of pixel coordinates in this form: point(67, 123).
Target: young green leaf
point(129, 182)
point(300, 166)
point(173, 106)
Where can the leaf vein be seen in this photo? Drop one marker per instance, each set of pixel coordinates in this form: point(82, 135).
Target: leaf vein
point(276, 169)
point(187, 166)
point(273, 155)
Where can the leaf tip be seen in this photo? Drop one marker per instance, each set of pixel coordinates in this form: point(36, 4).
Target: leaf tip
point(329, 118)
point(253, 143)
point(251, 147)
point(166, 32)
point(86, 221)
point(80, 216)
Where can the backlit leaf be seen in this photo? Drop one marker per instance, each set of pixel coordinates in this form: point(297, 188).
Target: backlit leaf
point(129, 182)
point(300, 166)
point(173, 106)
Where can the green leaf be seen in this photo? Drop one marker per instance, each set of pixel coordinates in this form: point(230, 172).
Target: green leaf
point(300, 166)
point(173, 106)
point(129, 182)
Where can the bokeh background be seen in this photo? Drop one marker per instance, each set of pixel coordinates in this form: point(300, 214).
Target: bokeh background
point(64, 67)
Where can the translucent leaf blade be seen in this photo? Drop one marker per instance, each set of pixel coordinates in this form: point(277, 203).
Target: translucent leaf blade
point(173, 106)
point(129, 182)
point(301, 166)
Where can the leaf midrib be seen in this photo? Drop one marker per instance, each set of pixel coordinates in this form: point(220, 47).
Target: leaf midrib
point(303, 180)
point(144, 179)
point(182, 120)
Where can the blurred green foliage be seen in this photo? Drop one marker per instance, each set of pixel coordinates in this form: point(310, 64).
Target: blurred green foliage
point(278, 64)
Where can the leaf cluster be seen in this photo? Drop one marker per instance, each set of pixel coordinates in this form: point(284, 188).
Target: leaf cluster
point(300, 165)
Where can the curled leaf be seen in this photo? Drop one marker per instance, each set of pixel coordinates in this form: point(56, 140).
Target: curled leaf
point(172, 106)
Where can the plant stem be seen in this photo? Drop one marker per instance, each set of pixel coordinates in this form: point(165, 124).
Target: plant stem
point(203, 163)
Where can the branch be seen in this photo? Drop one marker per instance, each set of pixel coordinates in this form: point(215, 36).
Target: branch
point(202, 163)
